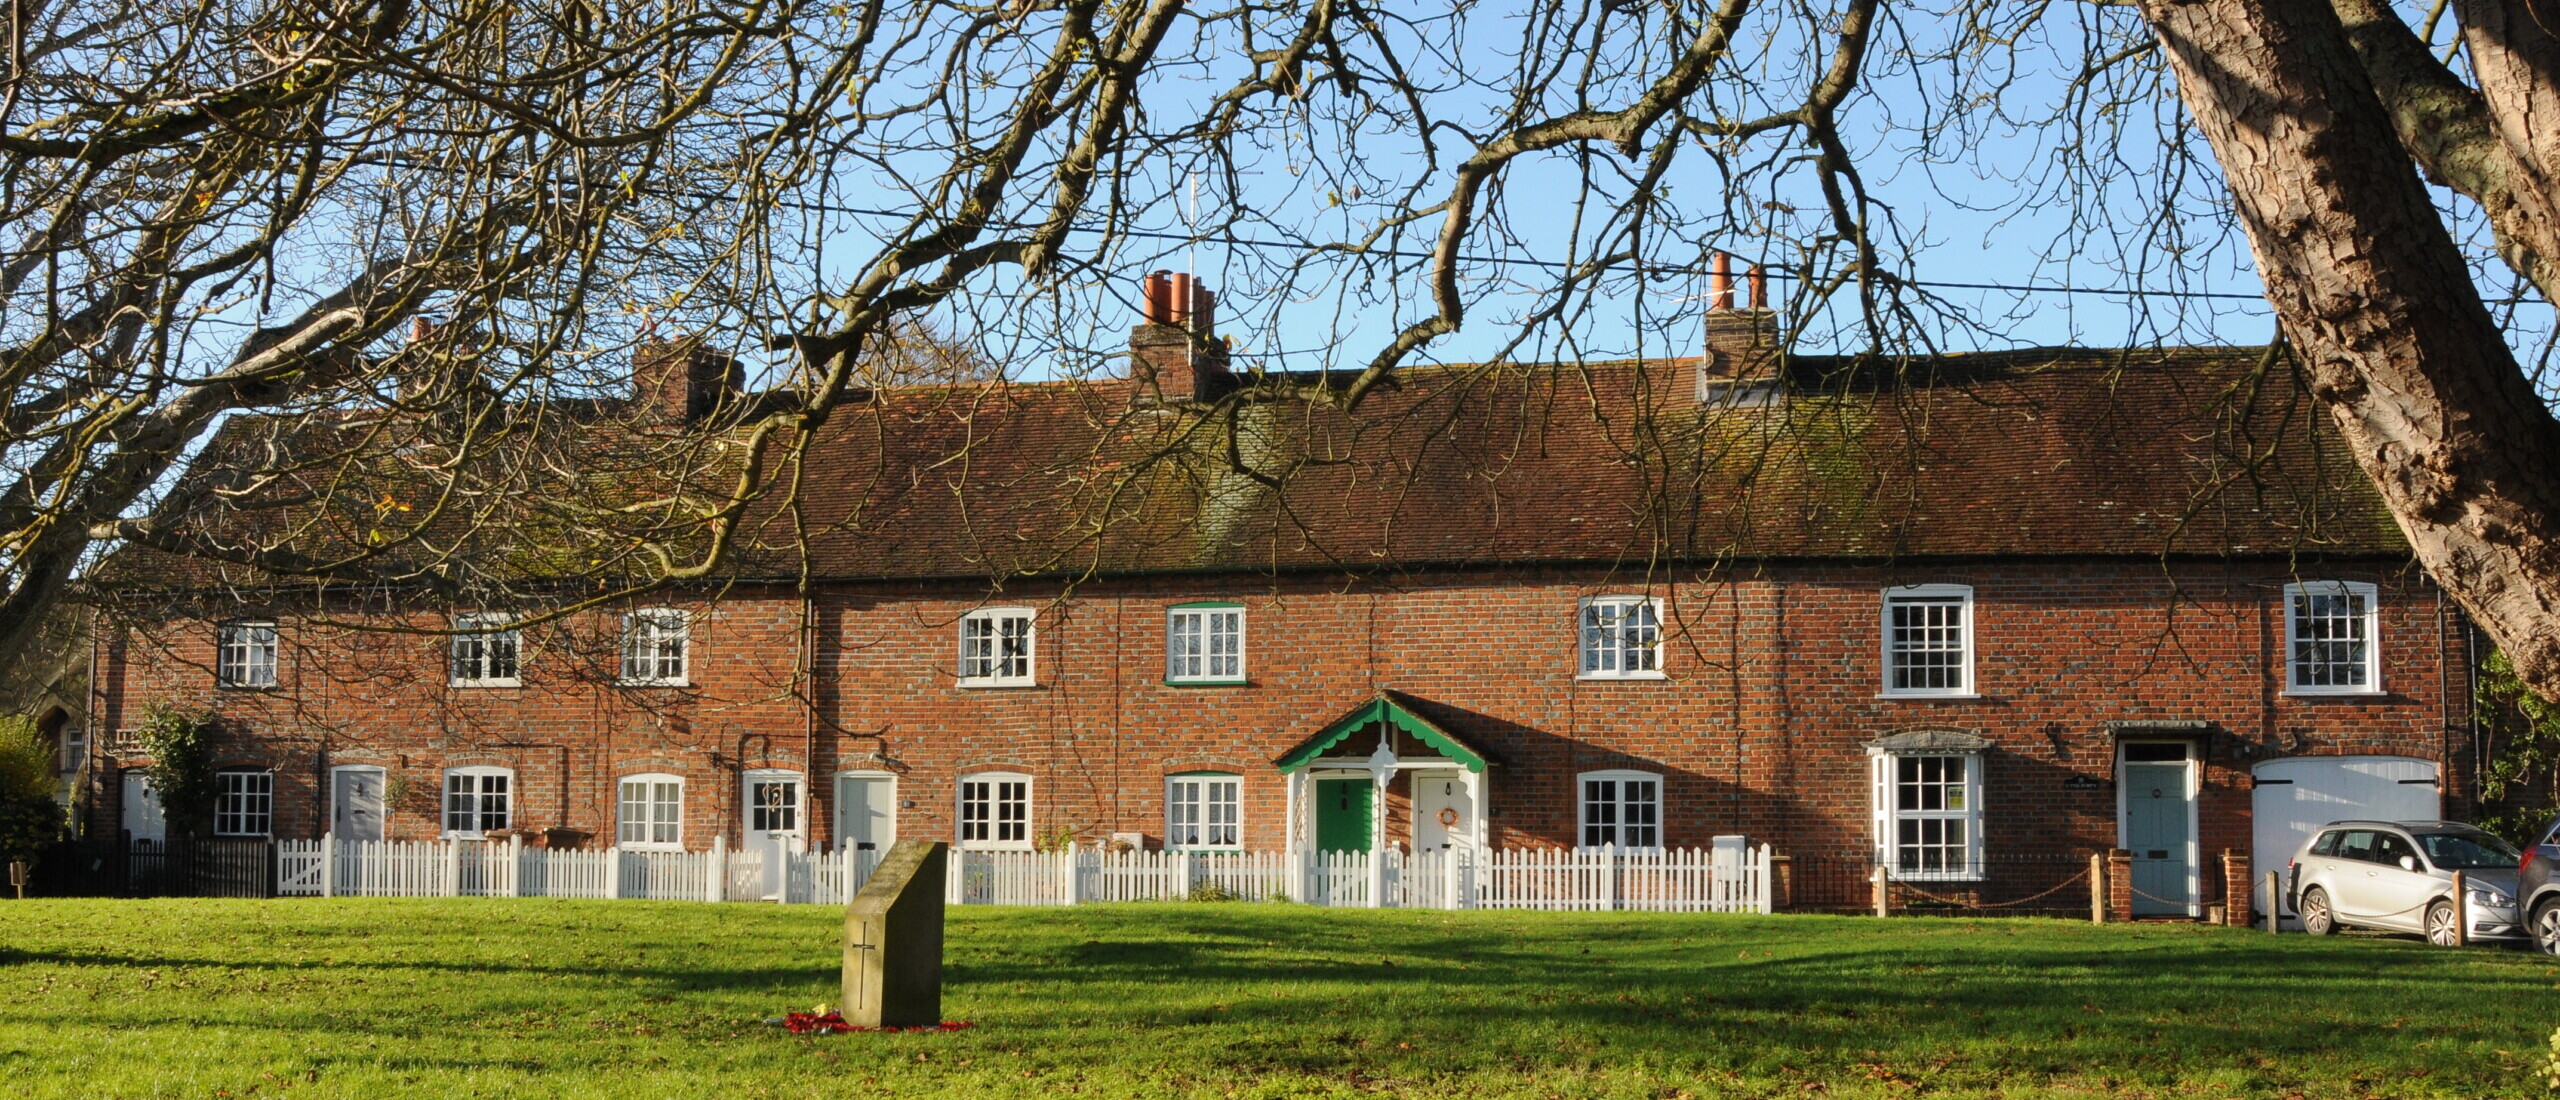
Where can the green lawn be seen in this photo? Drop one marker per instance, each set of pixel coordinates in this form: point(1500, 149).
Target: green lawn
point(539, 998)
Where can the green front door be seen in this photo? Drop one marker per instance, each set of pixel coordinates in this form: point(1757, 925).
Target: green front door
point(1343, 810)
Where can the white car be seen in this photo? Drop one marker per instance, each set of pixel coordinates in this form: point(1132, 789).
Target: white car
point(2397, 876)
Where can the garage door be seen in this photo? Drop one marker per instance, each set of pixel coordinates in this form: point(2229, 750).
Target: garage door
point(2296, 795)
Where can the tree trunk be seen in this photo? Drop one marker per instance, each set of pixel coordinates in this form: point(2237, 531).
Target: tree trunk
point(2372, 292)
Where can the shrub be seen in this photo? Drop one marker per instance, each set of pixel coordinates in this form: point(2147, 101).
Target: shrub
point(26, 760)
point(1211, 891)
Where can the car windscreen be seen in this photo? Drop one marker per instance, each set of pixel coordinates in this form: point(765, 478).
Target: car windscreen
point(2467, 851)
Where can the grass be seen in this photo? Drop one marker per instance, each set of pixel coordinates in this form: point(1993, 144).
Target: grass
point(542, 998)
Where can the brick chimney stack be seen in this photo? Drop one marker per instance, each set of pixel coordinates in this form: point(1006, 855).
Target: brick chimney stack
point(681, 382)
point(1175, 355)
point(1741, 360)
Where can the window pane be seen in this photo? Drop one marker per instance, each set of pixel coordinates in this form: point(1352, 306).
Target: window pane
point(1183, 657)
point(2329, 638)
point(1641, 812)
point(1925, 644)
point(1599, 812)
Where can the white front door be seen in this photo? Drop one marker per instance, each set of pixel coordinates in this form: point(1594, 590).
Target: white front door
point(355, 803)
point(143, 821)
point(774, 807)
point(1444, 811)
point(866, 812)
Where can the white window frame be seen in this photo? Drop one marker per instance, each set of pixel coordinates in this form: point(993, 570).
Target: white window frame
point(991, 825)
point(2371, 624)
point(1619, 807)
point(1204, 812)
point(1601, 638)
point(983, 660)
point(244, 802)
point(478, 813)
point(251, 639)
point(659, 822)
point(658, 629)
point(1885, 771)
point(1196, 623)
point(1961, 595)
point(798, 784)
point(487, 631)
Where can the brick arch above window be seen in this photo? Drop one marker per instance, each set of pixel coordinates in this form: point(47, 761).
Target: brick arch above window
point(1228, 764)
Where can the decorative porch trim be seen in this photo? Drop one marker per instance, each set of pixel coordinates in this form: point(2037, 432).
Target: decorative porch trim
point(1390, 708)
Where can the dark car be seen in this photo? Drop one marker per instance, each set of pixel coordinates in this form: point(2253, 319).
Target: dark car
point(2538, 887)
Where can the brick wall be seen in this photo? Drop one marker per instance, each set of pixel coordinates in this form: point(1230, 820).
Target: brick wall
point(1771, 689)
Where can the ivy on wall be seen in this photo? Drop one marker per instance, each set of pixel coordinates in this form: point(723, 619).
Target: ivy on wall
point(180, 744)
point(2521, 734)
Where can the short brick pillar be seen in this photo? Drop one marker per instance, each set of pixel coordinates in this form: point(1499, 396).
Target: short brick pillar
point(2236, 895)
point(1782, 882)
point(2119, 884)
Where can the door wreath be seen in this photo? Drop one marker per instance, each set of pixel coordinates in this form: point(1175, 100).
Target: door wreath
point(1448, 817)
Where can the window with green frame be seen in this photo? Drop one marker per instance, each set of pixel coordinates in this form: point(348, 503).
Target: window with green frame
point(1204, 643)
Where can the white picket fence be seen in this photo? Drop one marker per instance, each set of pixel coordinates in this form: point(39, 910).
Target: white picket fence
point(1728, 878)
point(472, 868)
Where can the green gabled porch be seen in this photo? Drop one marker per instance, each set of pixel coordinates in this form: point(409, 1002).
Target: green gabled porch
point(1338, 780)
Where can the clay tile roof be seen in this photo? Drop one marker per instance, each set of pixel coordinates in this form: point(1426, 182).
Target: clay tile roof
point(2038, 453)
point(2042, 453)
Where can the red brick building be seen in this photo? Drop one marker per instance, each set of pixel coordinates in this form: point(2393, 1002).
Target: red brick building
point(1934, 612)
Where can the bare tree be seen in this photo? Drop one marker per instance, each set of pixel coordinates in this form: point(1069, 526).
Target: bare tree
point(557, 185)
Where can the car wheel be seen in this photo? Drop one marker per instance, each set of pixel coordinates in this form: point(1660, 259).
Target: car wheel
point(2443, 928)
point(2316, 917)
point(2546, 927)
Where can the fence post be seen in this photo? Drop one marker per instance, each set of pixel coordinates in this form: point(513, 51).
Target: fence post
point(1617, 888)
point(329, 865)
point(2275, 903)
point(2097, 888)
point(2461, 910)
point(717, 889)
point(515, 865)
point(844, 856)
point(613, 873)
point(1884, 892)
point(2119, 884)
point(453, 868)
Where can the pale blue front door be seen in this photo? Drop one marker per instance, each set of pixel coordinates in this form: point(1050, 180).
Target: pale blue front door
point(2158, 830)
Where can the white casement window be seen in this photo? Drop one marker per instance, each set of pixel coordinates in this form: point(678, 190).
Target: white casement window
point(488, 651)
point(654, 641)
point(995, 810)
point(652, 812)
point(1621, 809)
point(244, 803)
point(1204, 644)
point(996, 647)
point(1622, 638)
point(1928, 814)
point(2331, 639)
point(245, 655)
point(1203, 811)
point(478, 801)
point(1928, 640)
